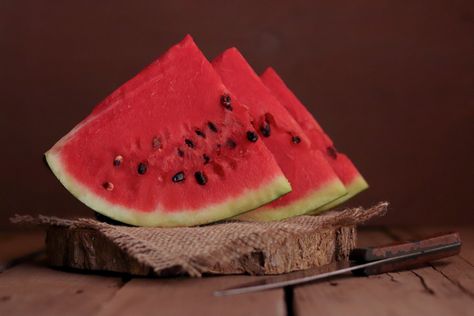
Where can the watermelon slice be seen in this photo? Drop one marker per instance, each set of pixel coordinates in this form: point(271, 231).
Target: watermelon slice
point(342, 165)
point(313, 181)
point(168, 148)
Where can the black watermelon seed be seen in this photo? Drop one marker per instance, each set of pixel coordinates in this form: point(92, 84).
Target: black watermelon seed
point(200, 177)
point(332, 152)
point(212, 127)
point(200, 133)
point(295, 139)
point(156, 143)
point(265, 129)
point(231, 143)
point(178, 177)
point(180, 152)
point(269, 118)
point(252, 136)
point(118, 160)
point(206, 158)
point(189, 143)
point(226, 101)
point(142, 167)
point(108, 186)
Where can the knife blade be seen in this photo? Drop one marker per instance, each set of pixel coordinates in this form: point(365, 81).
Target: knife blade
point(365, 261)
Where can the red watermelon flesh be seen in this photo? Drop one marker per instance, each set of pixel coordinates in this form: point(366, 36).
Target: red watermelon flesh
point(168, 148)
point(313, 181)
point(342, 165)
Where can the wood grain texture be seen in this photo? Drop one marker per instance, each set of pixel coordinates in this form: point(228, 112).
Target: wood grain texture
point(458, 270)
point(421, 291)
point(192, 297)
point(87, 249)
point(438, 289)
point(34, 289)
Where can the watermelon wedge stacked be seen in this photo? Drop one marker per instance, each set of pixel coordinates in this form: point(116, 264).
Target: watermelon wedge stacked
point(187, 142)
point(341, 164)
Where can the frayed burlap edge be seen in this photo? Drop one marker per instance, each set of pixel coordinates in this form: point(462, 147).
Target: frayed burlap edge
point(228, 247)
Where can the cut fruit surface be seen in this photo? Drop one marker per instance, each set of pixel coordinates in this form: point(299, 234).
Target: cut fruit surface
point(342, 165)
point(168, 148)
point(313, 181)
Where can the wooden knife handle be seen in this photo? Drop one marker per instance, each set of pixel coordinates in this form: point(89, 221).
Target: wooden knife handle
point(361, 255)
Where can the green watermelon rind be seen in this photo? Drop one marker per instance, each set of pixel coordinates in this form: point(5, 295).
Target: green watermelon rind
point(357, 185)
point(326, 193)
point(247, 200)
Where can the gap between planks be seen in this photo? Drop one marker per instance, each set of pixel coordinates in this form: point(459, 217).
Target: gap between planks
point(33, 288)
point(29, 287)
point(44, 291)
point(433, 290)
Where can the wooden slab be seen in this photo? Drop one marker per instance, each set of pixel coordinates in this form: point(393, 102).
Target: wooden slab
point(229, 247)
point(87, 249)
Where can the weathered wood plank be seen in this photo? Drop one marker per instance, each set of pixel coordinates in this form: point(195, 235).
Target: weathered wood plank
point(33, 289)
point(419, 292)
point(456, 269)
point(192, 297)
point(445, 288)
point(37, 289)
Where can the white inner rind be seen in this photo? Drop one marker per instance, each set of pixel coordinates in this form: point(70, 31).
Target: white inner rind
point(357, 185)
point(246, 200)
point(326, 193)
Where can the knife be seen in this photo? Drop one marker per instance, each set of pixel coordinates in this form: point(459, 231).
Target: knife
point(363, 261)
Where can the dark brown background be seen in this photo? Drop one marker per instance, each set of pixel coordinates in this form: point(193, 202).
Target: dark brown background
point(391, 81)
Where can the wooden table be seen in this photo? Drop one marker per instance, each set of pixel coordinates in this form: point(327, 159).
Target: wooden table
point(29, 287)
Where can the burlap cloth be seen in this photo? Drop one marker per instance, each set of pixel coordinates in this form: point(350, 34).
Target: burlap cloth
point(227, 247)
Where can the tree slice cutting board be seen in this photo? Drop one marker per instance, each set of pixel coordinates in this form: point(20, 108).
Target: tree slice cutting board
point(87, 249)
point(223, 248)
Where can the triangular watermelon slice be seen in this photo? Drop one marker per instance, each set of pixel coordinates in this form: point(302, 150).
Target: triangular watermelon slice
point(342, 165)
point(168, 148)
point(313, 181)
